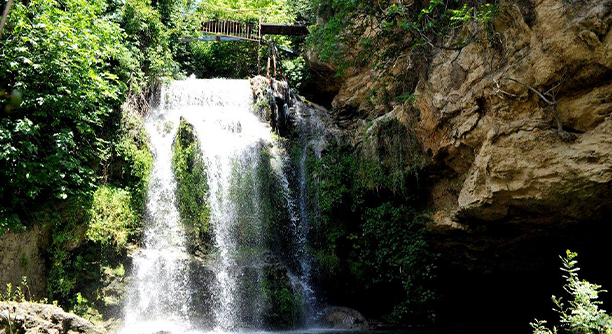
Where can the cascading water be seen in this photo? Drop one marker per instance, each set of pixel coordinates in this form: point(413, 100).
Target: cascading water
point(311, 131)
point(232, 140)
point(159, 297)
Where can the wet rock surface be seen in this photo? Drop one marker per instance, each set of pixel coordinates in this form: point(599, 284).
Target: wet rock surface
point(343, 318)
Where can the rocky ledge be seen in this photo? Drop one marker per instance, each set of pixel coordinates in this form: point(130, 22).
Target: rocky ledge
point(498, 154)
point(33, 318)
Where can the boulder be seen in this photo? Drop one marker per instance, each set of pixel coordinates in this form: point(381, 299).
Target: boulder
point(343, 318)
point(33, 318)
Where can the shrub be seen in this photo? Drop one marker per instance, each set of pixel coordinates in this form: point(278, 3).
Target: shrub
point(56, 60)
point(582, 315)
point(112, 217)
point(370, 235)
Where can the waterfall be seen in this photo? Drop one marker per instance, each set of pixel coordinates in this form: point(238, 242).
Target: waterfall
point(311, 131)
point(159, 295)
point(239, 154)
point(232, 138)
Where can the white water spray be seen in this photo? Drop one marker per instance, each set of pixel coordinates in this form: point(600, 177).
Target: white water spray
point(232, 139)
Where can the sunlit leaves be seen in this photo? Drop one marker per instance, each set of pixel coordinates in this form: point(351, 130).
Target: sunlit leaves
point(424, 27)
point(55, 58)
point(583, 315)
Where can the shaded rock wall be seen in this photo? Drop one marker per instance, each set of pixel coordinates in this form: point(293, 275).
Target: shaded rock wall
point(511, 180)
point(498, 152)
point(22, 255)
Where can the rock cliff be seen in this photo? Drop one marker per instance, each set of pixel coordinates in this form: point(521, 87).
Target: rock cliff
point(516, 130)
point(516, 126)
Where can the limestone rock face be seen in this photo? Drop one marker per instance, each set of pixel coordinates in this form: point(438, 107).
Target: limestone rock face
point(32, 318)
point(496, 152)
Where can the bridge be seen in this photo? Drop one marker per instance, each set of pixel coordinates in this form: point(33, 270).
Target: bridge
point(230, 31)
point(234, 31)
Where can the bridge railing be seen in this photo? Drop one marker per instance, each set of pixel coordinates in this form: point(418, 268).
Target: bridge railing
point(242, 30)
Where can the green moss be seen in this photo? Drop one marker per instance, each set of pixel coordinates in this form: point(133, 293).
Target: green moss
point(284, 306)
point(192, 186)
point(131, 161)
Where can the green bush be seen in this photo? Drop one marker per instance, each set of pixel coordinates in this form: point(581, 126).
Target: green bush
point(582, 315)
point(112, 217)
point(93, 232)
point(130, 160)
point(368, 235)
point(68, 225)
point(56, 58)
point(392, 249)
point(148, 41)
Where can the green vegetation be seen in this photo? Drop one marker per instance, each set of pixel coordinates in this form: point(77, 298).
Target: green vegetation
point(20, 294)
point(65, 69)
point(284, 306)
point(582, 315)
point(192, 186)
point(239, 59)
point(58, 62)
point(111, 217)
point(421, 27)
point(74, 157)
point(75, 77)
point(369, 234)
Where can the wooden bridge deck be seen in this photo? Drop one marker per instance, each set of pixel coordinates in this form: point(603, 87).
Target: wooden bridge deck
point(234, 31)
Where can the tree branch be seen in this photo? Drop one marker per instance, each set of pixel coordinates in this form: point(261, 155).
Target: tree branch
point(552, 103)
point(5, 15)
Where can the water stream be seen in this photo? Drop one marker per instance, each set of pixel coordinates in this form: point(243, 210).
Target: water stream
point(164, 296)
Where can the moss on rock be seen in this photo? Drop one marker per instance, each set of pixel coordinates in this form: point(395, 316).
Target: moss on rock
point(284, 304)
point(192, 187)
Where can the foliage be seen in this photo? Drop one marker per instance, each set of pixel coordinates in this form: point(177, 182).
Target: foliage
point(112, 217)
point(367, 234)
point(582, 315)
point(392, 249)
point(227, 60)
point(66, 232)
point(20, 294)
point(130, 161)
point(83, 246)
point(192, 183)
point(393, 155)
point(284, 305)
point(247, 10)
point(56, 57)
point(423, 27)
point(91, 233)
point(71, 158)
point(296, 72)
point(233, 59)
point(147, 38)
